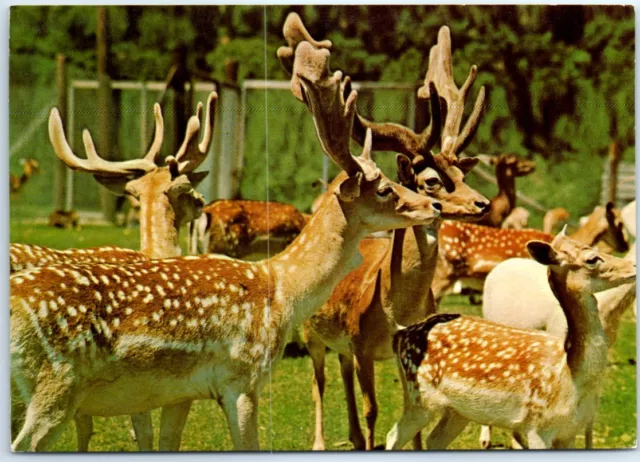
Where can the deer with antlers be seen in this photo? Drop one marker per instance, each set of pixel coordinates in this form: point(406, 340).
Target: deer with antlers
point(542, 388)
point(238, 228)
point(508, 168)
point(199, 327)
point(391, 286)
point(168, 199)
point(470, 251)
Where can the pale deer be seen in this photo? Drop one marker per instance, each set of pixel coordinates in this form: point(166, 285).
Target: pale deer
point(29, 168)
point(391, 286)
point(470, 251)
point(167, 198)
point(554, 220)
point(508, 168)
point(537, 385)
point(517, 219)
point(198, 327)
point(517, 280)
point(238, 228)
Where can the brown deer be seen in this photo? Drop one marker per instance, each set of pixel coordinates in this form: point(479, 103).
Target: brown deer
point(537, 385)
point(508, 168)
point(238, 228)
point(517, 219)
point(29, 168)
point(168, 199)
point(470, 251)
point(199, 327)
point(391, 286)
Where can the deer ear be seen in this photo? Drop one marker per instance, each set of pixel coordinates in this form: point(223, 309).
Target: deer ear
point(196, 177)
point(349, 189)
point(466, 164)
point(406, 175)
point(542, 252)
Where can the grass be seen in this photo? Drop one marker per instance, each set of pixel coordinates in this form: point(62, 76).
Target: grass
point(286, 418)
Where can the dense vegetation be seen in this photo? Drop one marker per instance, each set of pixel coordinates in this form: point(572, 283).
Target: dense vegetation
point(561, 79)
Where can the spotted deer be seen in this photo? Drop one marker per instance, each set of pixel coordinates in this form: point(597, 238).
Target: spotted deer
point(470, 251)
point(539, 386)
point(29, 168)
point(238, 228)
point(508, 168)
point(199, 327)
point(519, 279)
point(168, 199)
point(391, 286)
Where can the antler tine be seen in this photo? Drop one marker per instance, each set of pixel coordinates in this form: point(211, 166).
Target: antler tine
point(294, 33)
point(441, 74)
point(93, 163)
point(158, 135)
point(332, 114)
point(191, 154)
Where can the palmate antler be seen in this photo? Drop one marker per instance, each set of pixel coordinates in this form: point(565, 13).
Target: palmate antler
point(189, 157)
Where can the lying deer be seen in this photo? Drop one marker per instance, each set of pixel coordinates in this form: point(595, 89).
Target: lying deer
point(29, 168)
point(238, 228)
point(168, 199)
point(470, 251)
point(199, 327)
point(517, 219)
point(519, 279)
point(508, 168)
point(391, 286)
point(535, 384)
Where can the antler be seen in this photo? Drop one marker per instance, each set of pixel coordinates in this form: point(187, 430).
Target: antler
point(332, 102)
point(94, 163)
point(441, 74)
point(191, 154)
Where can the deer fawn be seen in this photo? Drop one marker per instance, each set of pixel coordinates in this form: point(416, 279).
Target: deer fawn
point(391, 286)
point(168, 199)
point(539, 386)
point(198, 327)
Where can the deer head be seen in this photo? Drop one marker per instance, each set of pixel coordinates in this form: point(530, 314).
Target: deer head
point(167, 194)
point(588, 270)
point(442, 175)
point(605, 229)
point(510, 165)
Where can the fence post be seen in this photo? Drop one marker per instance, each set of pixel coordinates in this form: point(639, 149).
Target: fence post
point(614, 161)
point(60, 177)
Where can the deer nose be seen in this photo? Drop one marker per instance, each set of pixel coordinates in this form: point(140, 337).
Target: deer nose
point(483, 205)
point(437, 206)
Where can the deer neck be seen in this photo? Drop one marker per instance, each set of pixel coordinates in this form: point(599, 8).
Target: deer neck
point(612, 304)
point(585, 344)
point(307, 271)
point(158, 229)
point(588, 234)
point(507, 188)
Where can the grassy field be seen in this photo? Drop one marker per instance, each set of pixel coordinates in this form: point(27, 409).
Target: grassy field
point(287, 413)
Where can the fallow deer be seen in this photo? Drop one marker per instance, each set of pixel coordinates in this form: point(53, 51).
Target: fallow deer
point(238, 228)
point(199, 327)
point(537, 385)
point(518, 279)
point(391, 286)
point(29, 168)
point(517, 219)
point(554, 220)
point(168, 199)
point(470, 251)
point(508, 167)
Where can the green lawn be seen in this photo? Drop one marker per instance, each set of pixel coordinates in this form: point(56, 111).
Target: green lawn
point(286, 407)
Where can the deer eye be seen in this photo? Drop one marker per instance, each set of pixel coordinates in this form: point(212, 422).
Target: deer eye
point(593, 260)
point(384, 192)
point(431, 182)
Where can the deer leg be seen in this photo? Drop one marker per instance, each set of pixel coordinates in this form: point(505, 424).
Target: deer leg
point(84, 430)
point(485, 436)
point(241, 410)
point(317, 352)
point(366, 378)
point(448, 428)
point(355, 432)
point(517, 441)
point(172, 423)
point(588, 435)
point(143, 430)
point(412, 421)
point(537, 441)
point(51, 407)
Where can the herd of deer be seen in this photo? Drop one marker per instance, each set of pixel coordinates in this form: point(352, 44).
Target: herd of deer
point(91, 328)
